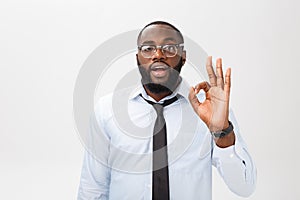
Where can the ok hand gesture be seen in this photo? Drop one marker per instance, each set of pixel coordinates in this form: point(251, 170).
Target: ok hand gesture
point(214, 109)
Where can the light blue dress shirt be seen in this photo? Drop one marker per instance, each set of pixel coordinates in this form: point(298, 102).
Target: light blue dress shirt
point(117, 162)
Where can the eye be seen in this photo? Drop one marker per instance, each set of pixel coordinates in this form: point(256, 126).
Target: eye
point(170, 48)
point(148, 48)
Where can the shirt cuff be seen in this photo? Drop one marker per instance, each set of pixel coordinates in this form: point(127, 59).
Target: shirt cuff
point(232, 153)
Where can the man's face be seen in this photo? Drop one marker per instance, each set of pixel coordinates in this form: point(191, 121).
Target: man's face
point(159, 72)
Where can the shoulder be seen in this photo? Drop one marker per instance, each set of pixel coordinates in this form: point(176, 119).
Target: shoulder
point(106, 105)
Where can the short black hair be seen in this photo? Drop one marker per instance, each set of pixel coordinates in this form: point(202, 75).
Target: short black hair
point(160, 23)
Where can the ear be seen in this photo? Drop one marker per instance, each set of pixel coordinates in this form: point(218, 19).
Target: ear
point(183, 56)
point(137, 59)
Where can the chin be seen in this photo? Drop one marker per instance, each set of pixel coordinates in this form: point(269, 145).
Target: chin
point(161, 81)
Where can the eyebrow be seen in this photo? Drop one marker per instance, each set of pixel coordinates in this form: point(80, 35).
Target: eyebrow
point(148, 42)
point(165, 40)
point(170, 39)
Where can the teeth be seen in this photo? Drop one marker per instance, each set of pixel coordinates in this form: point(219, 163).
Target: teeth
point(159, 67)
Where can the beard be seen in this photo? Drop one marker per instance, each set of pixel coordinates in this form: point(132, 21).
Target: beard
point(166, 87)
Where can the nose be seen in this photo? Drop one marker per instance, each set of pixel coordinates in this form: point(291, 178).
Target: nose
point(158, 55)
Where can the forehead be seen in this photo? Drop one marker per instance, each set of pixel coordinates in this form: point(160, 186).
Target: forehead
point(159, 34)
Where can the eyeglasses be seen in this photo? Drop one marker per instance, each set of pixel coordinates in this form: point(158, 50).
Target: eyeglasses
point(169, 50)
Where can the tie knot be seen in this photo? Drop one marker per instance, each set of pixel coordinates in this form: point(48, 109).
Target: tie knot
point(158, 108)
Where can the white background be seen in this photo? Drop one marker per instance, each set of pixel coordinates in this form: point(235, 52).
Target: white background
point(43, 45)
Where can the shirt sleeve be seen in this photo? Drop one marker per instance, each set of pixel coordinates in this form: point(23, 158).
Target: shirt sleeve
point(95, 173)
point(235, 164)
point(94, 181)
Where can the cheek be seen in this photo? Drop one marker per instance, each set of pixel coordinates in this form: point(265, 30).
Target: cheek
point(174, 61)
point(144, 62)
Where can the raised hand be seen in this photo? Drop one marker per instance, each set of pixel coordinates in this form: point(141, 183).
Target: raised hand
point(214, 109)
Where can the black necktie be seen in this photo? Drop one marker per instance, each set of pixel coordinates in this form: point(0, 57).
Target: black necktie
point(160, 175)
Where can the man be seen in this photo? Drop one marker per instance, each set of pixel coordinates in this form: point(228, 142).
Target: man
point(163, 144)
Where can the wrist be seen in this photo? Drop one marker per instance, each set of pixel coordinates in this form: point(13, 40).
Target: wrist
point(225, 131)
point(225, 141)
